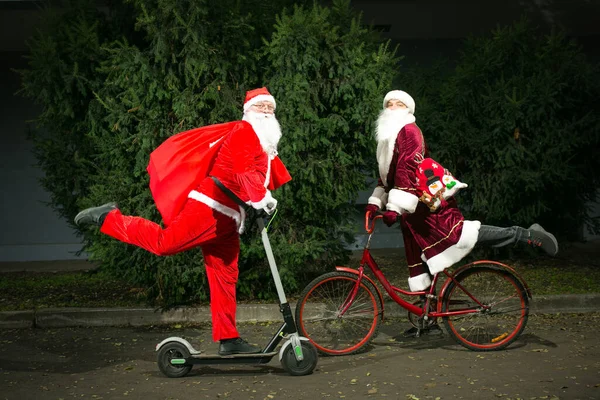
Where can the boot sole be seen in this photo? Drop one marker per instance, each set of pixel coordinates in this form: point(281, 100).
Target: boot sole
point(233, 353)
point(86, 214)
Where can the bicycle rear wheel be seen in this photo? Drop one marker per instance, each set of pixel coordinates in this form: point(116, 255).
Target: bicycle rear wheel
point(319, 318)
point(501, 319)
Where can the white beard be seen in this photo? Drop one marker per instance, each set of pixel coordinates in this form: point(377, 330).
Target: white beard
point(389, 124)
point(267, 129)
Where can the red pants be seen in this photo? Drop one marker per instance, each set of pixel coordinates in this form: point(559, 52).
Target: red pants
point(416, 266)
point(196, 225)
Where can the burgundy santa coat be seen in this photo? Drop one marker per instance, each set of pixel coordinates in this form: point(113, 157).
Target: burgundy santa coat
point(444, 236)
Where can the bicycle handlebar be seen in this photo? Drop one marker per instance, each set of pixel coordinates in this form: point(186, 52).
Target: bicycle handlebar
point(370, 222)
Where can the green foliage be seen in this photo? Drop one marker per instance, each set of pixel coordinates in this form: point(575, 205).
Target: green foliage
point(517, 120)
point(327, 73)
point(188, 64)
point(63, 58)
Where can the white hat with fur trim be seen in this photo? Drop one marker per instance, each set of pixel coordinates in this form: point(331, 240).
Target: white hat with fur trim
point(403, 97)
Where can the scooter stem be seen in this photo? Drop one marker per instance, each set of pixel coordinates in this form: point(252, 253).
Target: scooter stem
point(271, 258)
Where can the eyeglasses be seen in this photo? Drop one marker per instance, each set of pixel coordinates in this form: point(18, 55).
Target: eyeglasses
point(396, 103)
point(267, 107)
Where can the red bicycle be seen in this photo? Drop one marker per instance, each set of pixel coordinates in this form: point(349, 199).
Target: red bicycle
point(484, 305)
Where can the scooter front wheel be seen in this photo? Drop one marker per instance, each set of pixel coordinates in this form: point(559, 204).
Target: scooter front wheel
point(299, 368)
point(171, 360)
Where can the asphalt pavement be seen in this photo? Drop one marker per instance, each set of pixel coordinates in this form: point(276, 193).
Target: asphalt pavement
point(557, 357)
point(109, 353)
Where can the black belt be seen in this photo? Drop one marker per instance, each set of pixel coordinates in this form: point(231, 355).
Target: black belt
point(229, 193)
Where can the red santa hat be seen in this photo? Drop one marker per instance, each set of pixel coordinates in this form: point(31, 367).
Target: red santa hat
point(403, 97)
point(256, 96)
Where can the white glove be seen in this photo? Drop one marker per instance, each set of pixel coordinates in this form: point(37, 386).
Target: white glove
point(271, 206)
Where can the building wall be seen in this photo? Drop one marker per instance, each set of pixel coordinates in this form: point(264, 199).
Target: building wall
point(31, 230)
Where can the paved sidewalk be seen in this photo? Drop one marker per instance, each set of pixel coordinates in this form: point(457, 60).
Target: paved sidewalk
point(72, 317)
point(47, 266)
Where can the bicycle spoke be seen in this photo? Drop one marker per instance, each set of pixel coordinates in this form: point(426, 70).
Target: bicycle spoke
point(322, 320)
point(504, 311)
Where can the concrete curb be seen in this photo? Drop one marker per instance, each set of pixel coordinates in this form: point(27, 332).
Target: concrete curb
point(71, 317)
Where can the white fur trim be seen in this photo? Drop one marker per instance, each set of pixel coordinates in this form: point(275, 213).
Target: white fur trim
point(393, 207)
point(456, 252)
point(403, 200)
point(385, 148)
point(376, 197)
point(403, 97)
point(419, 282)
point(385, 152)
point(268, 177)
point(375, 201)
point(259, 205)
point(257, 99)
point(238, 216)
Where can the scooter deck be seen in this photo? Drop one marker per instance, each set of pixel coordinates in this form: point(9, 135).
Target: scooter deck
point(236, 356)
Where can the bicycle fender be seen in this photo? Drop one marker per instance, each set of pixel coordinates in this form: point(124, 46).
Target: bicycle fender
point(494, 263)
point(355, 272)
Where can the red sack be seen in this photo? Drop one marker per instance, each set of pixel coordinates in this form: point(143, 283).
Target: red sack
point(181, 162)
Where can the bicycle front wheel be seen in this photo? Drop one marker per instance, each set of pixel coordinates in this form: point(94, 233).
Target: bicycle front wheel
point(321, 318)
point(498, 303)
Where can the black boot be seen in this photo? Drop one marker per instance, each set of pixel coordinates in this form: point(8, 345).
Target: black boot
point(431, 329)
point(94, 215)
point(536, 236)
point(237, 346)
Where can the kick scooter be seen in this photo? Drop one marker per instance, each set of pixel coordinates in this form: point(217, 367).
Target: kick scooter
point(176, 356)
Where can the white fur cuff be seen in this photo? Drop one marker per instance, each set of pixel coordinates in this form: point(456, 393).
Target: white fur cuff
point(259, 205)
point(376, 201)
point(378, 192)
point(377, 197)
point(402, 200)
point(393, 207)
point(419, 282)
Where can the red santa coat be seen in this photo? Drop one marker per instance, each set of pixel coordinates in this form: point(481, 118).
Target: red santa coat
point(204, 216)
point(231, 152)
point(443, 236)
point(243, 166)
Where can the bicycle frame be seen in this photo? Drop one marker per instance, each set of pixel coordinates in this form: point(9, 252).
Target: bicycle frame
point(393, 291)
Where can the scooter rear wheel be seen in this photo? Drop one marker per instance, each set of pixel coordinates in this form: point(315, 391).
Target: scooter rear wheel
point(300, 368)
point(173, 351)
